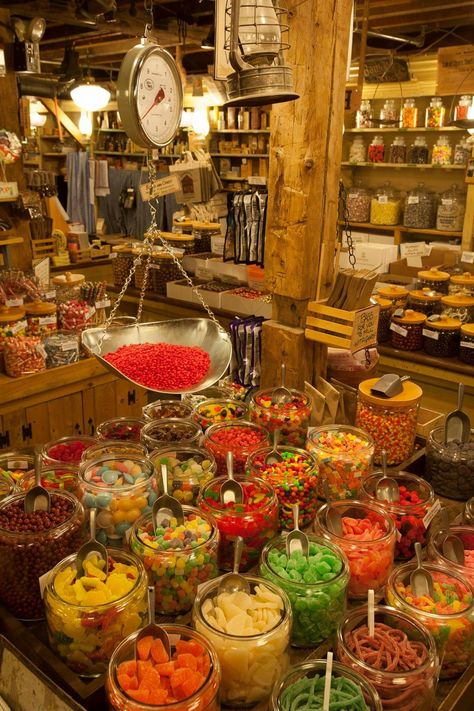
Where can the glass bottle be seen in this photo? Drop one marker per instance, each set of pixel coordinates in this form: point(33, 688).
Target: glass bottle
point(389, 114)
point(364, 115)
point(418, 153)
point(385, 206)
point(357, 150)
point(442, 152)
point(409, 117)
point(435, 113)
point(450, 215)
point(420, 208)
point(461, 111)
point(462, 152)
point(376, 150)
point(398, 150)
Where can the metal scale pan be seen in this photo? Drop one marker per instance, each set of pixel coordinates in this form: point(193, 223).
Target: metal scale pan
point(200, 332)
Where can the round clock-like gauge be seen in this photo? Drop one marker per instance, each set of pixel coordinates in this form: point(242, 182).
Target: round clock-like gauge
point(149, 96)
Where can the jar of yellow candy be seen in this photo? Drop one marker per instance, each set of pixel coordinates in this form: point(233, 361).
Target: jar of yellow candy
point(87, 617)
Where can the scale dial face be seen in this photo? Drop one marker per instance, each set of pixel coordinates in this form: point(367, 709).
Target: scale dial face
point(150, 96)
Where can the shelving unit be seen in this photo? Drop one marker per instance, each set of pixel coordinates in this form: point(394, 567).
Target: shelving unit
point(239, 155)
point(240, 130)
point(424, 166)
point(398, 230)
point(420, 129)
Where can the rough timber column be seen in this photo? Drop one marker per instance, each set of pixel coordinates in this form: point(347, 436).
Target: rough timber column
point(305, 155)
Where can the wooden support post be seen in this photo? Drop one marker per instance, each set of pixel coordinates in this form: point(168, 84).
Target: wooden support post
point(66, 122)
point(305, 155)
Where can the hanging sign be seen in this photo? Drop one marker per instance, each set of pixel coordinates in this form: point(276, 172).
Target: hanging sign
point(456, 70)
point(163, 186)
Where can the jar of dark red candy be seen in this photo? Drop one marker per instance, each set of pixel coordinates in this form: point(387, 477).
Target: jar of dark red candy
point(450, 466)
point(163, 409)
point(239, 437)
point(121, 428)
point(31, 544)
point(425, 301)
point(406, 330)
point(416, 498)
point(290, 418)
point(466, 345)
point(391, 422)
point(385, 317)
point(441, 336)
point(160, 433)
point(255, 519)
point(67, 449)
point(397, 295)
point(458, 306)
point(435, 279)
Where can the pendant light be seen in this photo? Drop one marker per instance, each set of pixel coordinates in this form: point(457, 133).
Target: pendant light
point(89, 96)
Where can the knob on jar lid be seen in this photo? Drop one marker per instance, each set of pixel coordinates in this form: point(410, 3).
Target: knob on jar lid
point(443, 322)
point(458, 301)
point(408, 316)
point(465, 279)
point(433, 274)
point(410, 394)
point(11, 314)
point(425, 294)
point(68, 279)
point(467, 329)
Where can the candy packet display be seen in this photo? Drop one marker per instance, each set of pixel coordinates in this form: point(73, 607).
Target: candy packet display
point(246, 336)
point(245, 236)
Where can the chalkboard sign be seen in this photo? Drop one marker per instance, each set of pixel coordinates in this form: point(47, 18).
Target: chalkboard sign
point(383, 70)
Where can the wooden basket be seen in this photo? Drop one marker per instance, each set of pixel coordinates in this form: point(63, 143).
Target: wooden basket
point(43, 247)
point(351, 330)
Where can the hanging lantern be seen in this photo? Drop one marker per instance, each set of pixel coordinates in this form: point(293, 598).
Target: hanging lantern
point(255, 37)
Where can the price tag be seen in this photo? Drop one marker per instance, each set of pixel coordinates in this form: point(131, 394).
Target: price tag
point(49, 294)
point(113, 255)
point(431, 334)
point(446, 201)
point(466, 344)
point(90, 312)
point(46, 320)
point(40, 350)
point(413, 200)
point(17, 464)
point(467, 257)
point(102, 304)
point(19, 326)
point(12, 303)
point(353, 195)
point(69, 346)
point(383, 199)
point(431, 513)
point(399, 329)
point(155, 266)
point(164, 186)
point(43, 581)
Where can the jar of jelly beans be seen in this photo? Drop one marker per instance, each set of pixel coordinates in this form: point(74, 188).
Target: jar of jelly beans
point(239, 437)
point(41, 317)
point(385, 316)
point(406, 330)
point(385, 206)
point(255, 519)
point(290, 418)
point(161, 433)
point(164, 409)
point(376, 150)
point(462, 284)
point(435, 113)
point(416, 499)
point(441, 335)
point(397, 295)
point(188, 467)
point(425, 301)
point(409, 115)
point(210, 412)
point(466, 345)
point(434, 279)
point(121, 428)
point(458, 306)
point(391, 422)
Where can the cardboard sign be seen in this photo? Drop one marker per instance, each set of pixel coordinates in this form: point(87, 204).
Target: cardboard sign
point(364, 334)
point(455, 69)
point(163, 186)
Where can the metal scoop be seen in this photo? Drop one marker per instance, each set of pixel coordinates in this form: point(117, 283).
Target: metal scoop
point(387, 488)
point(452, 546)
point(152, 629)
point(38, 498)
point(457, 425)
point(234, 582)
point(274, 456)
point(166, 507)
point(296, 540)
point(420, 580)
point(281, 395)
point(92, 547)
point(231, 490)
point(389, 385)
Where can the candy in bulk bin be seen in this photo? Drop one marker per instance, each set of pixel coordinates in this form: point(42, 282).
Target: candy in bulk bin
point(316, 586)
point(358, 202)
point(12, 323)
point(364, 115)
point(462, 284)
point(122, 262)
point(161, 433)
point(121, 428)
point(294, 479)
point(409, 114)
point(357, 153)
point(61, 349)
point(442, 153)
point(418, 152)
point(290, 418)
point(458, 306)
point(406, 330)
point(31, 544)
point(53, 476)
point(385, 206)
point(188, 469)
point(240, 437)
point(398, 150)
point(425, 301)
point(435, 113)
point(189, 681)
point(117, 447)
point(349, 690)
point(6, 488)
point(250, 633)
point(434, 279)
point(449, 615)
point(466, 344)
point(420, 208)
point(41, 317)
point(177, 558)
point(164, 409)
point(450, 467)
point(67, 449)
point(391, 422)
point(376, 150)
point(15, 465)
point(24, 355)
point(400, 659)
point(209, 412)
point(122, 489)
point(88, 616)
point(344, 456)
point(255, 519)
point(441, 336)
point(436, 553)
point(368, 540)
point(416, 499)
point(397, 295)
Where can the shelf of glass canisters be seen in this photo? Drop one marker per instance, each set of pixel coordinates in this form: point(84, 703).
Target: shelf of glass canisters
point(396, 129)
point(240, 130)
point(401, 228)
point(239, 155)
point(418, 166)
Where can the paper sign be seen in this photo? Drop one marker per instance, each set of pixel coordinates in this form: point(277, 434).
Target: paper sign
point(413, 249)
point(113, 255)
point(163, 186)
point(431, 513)
point(364, 334)
point(399, 329)
point(12, 303)
point(430, 334)
point(414, 262)
point(105, 303)
point(42, 271)
point(466, 344)
point(413, 200)
point(467, 257)
point(455, 70)
point(383, 199)
point(19, 326)
point(17, 464)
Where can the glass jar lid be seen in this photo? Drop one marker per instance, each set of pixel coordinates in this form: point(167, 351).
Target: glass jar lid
point(465, 279)
point(443, 141)
point(40, 308)
point(176, 237)
point(122, 249)
point(458, 300)
point(467, 329)
point(420, 141)
point(409, 316)
point(442, 322)
point(359, 189)
point(410, 394)
point(11, 314)
point(433, 274)
point(388, 292)
point(377, 141)
point(425, 294)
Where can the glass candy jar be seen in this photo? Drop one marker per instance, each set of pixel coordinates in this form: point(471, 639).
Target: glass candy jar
point(116, 447)
point(397, 295)
point(441, 336)
point(358, 203)
point(364, 115)
point(420, 208)
point(406, 329)
point(385, 315)
point(357, 150)
point(189, 468)
point(67, 449)
point(53, 476)
point(462, 152)
point(389, 114)
point(437, 555)
point(461, 110)
point(462, 284)
point(239, 437)
point(385, 206)
point(398, 150)
point(458, 306)
point(376, 150)
point(290, 418)
point(210, 412)
point(418, 153)
point(164, 409)
point(41, 318)
point(391, 422)
point(14, 466)
point(434, 279)
point(409, 115)
point(125, 429)
point(450, 214)
point(12, 323)
point(450, 467)
point(122, 262)
point(161, 433)
point(442, 153)
point(425, 301)
point(466, 345)
point(435, 113)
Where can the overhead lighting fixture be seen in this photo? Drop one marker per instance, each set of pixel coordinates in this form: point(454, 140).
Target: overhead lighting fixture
point(89, 96)
point(200, 121)
point(209, 42)
point(37, 114)
point(85, 123)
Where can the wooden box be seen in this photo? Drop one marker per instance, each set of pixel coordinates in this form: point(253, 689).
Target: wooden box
point(78, 256)
point(427, 421)
point(43, 247)
point(352, 330)
point(99, 252)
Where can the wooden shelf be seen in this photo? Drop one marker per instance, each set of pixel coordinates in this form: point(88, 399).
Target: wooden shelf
point(223, 177)
point(240, 130)
point(421, 129)
point(239, 155)
point(120, 153)
point(56, 154)
point(10, 240)
point(401, 228)
point(421, 166)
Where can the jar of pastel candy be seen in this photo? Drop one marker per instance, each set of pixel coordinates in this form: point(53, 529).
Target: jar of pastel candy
point(188, 469)
point(164, 409)
point(391, 422)
point(121, 428)
point(121, 490)
point(88, 615)
point(255, 519)
point(449, 467)
point(51, 536)
point(138, 682)
point(291, 418)
point(344, 456)
point(449, 615)
point(416, 499)
point(67, 449)
point(399, 659)
point(117, 447)
point(250, 633)
point(15, 465)
point(436, 552)
point(209, 412)
point(187, 552)
point(53, 476)
point(240, 437)
point(316, 586)
point(294, 479)
point(161, 433)
point(349, 690)
point(367, 537)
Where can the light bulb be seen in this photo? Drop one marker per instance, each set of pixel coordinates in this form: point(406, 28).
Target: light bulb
point(85, 124)
point(36, 119)
point(259, 31)
point(200, 121)
point(90, 97)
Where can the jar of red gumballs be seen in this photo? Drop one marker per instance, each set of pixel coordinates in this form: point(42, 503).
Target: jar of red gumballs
point(161, 433)
point(367, 538)
point(391, 422)
point(31, 544)
point(117, 447)
point(67, 449)
point(239, 437)
point(416, 499)
point(255, 519)
point(41, 317)
point(294, 479)
point(121, 428)
point(406, 330)
point(209, 412)
point(53, 476)
point(290, 418)
point(190, 684)
point(437, 554)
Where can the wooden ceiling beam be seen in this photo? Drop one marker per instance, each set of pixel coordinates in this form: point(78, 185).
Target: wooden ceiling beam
point(415, 23)
point(460, 8)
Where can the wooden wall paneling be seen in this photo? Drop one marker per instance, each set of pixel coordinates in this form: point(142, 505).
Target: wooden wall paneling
point(99, 404)
point(129, 399)
point(16, 425)
point(65, 416)
point(38, 420)
point(88, 403)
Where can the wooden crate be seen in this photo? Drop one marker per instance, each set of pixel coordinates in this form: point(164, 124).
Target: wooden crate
point(351, 330)
point(99, 252)
point(427, 421)
point(43, 247)
point(77, 256)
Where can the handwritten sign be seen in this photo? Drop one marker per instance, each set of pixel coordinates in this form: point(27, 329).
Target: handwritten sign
point(455, 70)
point(163, 186)
point(364, 334)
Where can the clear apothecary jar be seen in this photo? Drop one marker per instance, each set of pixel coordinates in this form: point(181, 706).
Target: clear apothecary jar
point(461, 110)
point(344, 455)
point(442, 152)
point(204, 699)
point(436, 553)
point(409, 114)
point(364, 115)
point(15, 465)
point(188, 469)
point(85, 636)
point(425, 301)
point(434, 279)
point(250, 664)
point(450, 467)
point(414, 687)
point(458, 306)
point(462, 152)
point(164, 409)
point(389, 114)
point(418, 153)
point(462, 284)
point(441, 336)
point(416, 498)
point(452, 625)
point(239, 437)
point(450, 215)
point(385, 206)
point(125, 429)
point(317, 607)
point(397, 295)
point(172, 430)
point(12, 323)
point(398, 150)
point(358, 203)
point(420, 208)
point(391, 422)
point(406, 330)
point(41, 317)
point(358, 691)
point(115, 447)
point(290, 418)
point(376, 150)
point(370, 559)
point(122, 262)
point(435, 113)
point(385, 316)
point(67, 450)
point(357, 150)
point(466, 345)
point(53, 476)
point(210, 412)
